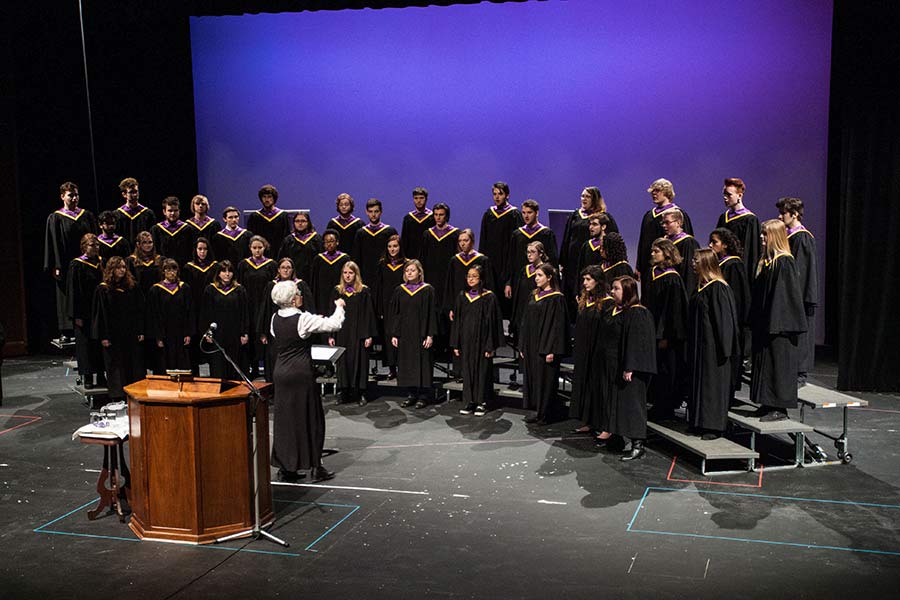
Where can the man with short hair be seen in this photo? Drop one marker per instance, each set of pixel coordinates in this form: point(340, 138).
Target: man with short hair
point(270, 221)
point(172, 236)
point(62, 243)
point(497, 225)
point(742, 223)
point(133, 217)
point(233, 241)
point(371, 242)
point(673, 226)
point(415, 224)
point(531, 231)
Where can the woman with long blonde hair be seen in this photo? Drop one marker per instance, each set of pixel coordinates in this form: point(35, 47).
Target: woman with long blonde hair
point(356, 335)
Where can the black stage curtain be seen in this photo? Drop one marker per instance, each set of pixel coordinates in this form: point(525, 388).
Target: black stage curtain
point(863, 207)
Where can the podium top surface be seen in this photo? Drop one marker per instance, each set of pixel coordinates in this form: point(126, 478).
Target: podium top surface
point(191, 390)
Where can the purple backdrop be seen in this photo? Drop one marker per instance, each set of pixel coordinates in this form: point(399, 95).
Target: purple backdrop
point(548, 96)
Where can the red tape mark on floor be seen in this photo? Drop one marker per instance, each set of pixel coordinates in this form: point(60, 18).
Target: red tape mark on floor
point(669, 477)
point(32, 419)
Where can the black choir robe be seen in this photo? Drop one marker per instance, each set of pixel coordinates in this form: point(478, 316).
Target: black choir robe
point(359, 324)
point(736, 277)
point(636, 354)
point(477, 328)
point(145, 272)
point(588, 255)
point(254, 278)
point(618, 269)
point(207, 229)
point(230, 310)
point(326, 273)
point(575, 235)
point(803, 247)
point(274, 226)
point(82, 279)
point(651, 229)
point(545, 330)
point(390, 276)
point(588, 390)
point(518, 246)
point(666, 299)
point(411, 231)
point(264, 321)
point(437, 250)
point(346, 230)
point(523, 287)
point(687, 247)
point(413, 317)
point(368, 248)
point(171, 318)
point(746, 228)
point(497, 227)
point(129, 222)
point(231, 245)
point(459, 269)
point(777, 318)
point(173, 240)
point(301, 249)
point(198, 277)
point(713, 342)
point(62, 243)
point(113, 246)
point(118, 316)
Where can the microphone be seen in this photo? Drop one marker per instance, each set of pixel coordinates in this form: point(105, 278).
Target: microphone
point(211, 330)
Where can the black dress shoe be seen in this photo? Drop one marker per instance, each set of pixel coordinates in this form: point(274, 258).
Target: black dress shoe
point(410, 401)
point(637, 451)
point(289, 476)
point(710, 435)
point(320, 473)
point(532, 419)
point(422, 403)
point(773, 415)
point(602, 442)
point(362, 401)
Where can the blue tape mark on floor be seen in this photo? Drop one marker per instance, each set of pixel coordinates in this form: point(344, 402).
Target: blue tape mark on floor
point(754, 541)
point(354, 507)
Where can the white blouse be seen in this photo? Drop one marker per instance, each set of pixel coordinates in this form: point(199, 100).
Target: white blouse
point(309, 323)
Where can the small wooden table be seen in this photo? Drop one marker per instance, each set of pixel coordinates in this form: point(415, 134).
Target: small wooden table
point(115, 469)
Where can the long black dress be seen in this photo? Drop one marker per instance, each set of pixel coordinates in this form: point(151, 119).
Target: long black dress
point(264, 319)
point(206, 229)
point(576, 233)
point(62, 243)
point(273, 226)
point(496, 229)
point(359, 324)
point(459, 270)
point(713, 342)
point(233, 245)
point(803, 247)
point(777, 318)
point(413, 317)
point(736, 277)
point(118, 316)
point(545, 330)
point(411, 231)
point(326, 273)
point(666, 299)
point(368, 249)
point(173, 240)
point(687, 247)
point(651, 229)
point(523, 287)
point(198, 276)
point(82, 279)
point(390, 275)
point(636, 354)
point(589, 374)
point(229, 309)
point(254, 277)
point(130, 222)
point(477, 328)
point(346, 230)
point(302, 249)
point(299, 427)
point(171, 318)
point(745, 226)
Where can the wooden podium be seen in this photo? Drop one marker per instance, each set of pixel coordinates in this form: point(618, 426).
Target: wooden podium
point(191, 469)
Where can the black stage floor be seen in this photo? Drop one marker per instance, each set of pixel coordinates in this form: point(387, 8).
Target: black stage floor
point(430, 503)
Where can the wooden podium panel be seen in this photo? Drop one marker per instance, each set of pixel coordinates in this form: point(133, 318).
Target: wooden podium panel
point(192, 476)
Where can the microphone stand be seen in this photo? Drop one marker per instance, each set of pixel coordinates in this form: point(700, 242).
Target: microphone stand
point(256, 531)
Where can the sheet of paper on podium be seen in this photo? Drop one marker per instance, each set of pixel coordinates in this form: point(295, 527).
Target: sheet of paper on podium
point(326, 353)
